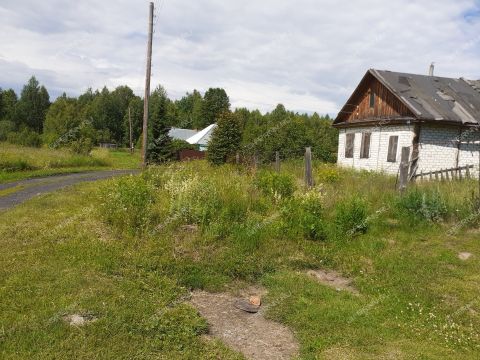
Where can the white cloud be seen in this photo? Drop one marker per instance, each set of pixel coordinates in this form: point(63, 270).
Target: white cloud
point(306, 54)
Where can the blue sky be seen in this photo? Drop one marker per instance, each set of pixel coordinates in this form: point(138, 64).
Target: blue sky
point(306, 54)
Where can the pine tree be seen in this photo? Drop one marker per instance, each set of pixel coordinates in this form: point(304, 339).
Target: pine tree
point(33, 105)
point(225, 140)
point(159, 147)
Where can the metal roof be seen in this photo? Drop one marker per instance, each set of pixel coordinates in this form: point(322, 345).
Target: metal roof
point(181, 134)
point(203, 136)
point(435, 98)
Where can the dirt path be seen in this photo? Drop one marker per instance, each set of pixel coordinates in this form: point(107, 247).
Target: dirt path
point(251, 334)
point(31, 187)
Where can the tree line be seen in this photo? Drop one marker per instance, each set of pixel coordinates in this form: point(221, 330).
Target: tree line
point(103, 116)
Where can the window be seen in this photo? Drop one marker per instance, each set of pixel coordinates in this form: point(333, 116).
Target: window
point(372, 99)
point(349, 145)
point(392, 149)
point(365, 148)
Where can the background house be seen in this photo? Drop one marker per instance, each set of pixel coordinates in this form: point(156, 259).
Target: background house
point(181, 134)
point(202, 137)
point(437, 117)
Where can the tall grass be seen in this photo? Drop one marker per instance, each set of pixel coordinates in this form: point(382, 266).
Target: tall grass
point(17, 158)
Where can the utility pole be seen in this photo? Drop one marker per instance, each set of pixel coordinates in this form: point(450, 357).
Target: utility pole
point(130, 124)
point(147, 87)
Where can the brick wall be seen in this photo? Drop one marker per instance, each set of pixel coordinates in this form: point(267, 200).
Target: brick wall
point(377, 161)
point(438, 147)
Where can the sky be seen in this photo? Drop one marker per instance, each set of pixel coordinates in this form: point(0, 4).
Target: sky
point(308, 55)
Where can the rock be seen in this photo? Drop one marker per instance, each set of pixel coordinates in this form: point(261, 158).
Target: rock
point(464, 256)
point(255, 300)
point(245, 305)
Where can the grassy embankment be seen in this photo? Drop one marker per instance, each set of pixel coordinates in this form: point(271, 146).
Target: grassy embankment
point(18, 162)
point(124, 254)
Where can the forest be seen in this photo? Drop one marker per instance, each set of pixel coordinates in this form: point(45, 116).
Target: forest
point(98, 116)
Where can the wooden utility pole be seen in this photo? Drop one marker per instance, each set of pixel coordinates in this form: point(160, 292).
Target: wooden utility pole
point(130, 125)
point(147, 87)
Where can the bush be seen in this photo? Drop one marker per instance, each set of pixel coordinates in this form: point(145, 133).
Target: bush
point(193, 200)
point(423, 204)
point(26, 137)
point(328, 175)
point(179, 145)
point(304, 215)
point(82, 146)
point(127, 204)
point(277, 185)
point(351, 216)
point(6, 127)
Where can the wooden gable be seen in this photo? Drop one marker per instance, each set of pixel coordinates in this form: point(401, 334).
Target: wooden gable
point(372, 101)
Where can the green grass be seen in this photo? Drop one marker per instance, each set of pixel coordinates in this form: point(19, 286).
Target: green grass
point(17, 162)
point(78, 254)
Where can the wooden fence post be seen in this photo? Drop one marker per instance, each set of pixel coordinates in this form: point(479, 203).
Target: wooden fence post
point(277, 161)
point(403, 177)
point(308, 167)
point(237, 158)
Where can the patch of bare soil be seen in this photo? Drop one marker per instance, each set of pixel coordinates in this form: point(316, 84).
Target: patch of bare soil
point(249, 333)
point(79, 319)
point(464, 256)
point(333, 279)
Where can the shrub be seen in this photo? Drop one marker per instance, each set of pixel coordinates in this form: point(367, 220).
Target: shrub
point(274, 184)
point(328, 175)
point(351, 216)
point(26, 137)
point(423, 204)
point(82, 146)
point(6, 127)
point(193, 200)
point(127, 204)
point(304, 214)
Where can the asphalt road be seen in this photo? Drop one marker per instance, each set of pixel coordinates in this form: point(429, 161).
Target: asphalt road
point(32, 187)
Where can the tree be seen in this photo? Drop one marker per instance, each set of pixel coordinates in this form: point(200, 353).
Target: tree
point(9, 105)
point(226, 138)
point(136, 112)
point(190, 110)
point(215, 102)
point(33, 105)
point(159, 147)
point(62, 117)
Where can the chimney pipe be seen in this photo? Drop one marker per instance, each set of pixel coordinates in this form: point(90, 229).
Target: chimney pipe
point(432, 68)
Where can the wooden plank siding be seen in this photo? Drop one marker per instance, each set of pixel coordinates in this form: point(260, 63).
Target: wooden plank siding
point(386, 104)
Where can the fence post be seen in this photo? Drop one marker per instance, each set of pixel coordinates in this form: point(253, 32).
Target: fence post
point(468, 172)
point(237, 158)
point(308, 167)
point(403, 178)
point(277, 161)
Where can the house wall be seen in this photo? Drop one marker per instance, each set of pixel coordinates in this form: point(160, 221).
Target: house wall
point(439, 148)
point(378, 147)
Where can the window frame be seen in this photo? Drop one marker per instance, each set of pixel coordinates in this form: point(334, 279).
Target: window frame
point(391, 155)
point(372, 99)
point(349, 145)
point(364, 147)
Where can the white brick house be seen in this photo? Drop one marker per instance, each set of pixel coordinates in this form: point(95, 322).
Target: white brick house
point(438, 118)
